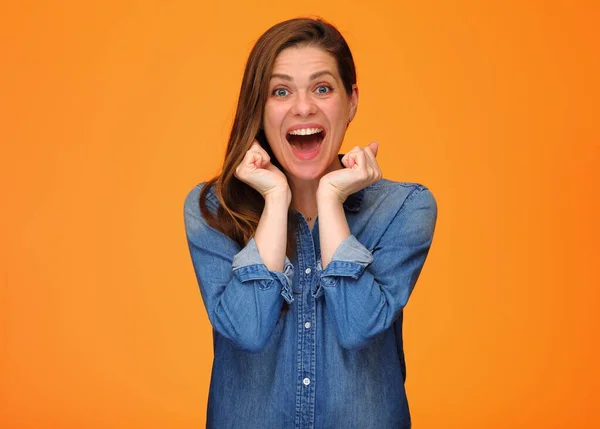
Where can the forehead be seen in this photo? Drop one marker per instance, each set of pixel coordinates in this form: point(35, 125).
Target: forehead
point(308, 59)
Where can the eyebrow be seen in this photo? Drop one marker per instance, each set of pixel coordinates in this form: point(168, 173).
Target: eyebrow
point(311, 77)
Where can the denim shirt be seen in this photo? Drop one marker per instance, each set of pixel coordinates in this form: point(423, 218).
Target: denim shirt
point(335, 359)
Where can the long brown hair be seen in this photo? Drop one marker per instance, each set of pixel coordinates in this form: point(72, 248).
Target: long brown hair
point(240, 205)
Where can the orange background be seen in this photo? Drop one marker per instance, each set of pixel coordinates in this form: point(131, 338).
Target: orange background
point(111, 112)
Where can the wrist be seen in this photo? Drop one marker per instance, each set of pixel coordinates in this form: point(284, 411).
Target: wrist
point(279, 196)
point(327, 195)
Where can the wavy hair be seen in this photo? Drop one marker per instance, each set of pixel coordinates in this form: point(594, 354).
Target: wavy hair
point(240, 205)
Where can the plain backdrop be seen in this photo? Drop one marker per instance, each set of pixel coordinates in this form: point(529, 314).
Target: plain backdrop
point(112, 111)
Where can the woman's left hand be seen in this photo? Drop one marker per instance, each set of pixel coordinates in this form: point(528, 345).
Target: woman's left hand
point(361, 171)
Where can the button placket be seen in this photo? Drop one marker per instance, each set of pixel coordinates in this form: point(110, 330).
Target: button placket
point(305, 401)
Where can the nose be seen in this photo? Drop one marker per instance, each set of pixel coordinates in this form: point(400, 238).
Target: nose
point(303, 106)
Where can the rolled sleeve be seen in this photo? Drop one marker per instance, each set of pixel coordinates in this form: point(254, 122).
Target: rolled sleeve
point(247, 266)
point(370, 293)
point(350, 259)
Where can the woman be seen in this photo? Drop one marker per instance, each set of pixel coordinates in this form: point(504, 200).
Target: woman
point(305, 258)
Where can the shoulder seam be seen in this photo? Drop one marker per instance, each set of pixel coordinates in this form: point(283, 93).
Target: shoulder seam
point(413, 194)
point(387, 183)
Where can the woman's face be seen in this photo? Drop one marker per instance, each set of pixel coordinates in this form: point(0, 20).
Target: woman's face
point(307, 112)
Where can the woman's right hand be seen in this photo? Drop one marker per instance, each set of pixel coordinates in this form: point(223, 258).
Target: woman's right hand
point(257, 171)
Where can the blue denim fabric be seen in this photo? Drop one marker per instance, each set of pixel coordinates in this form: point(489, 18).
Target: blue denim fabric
point(335, 360)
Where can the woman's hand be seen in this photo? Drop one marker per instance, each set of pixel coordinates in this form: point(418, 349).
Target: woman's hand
point(361, 171)
point(257, 171)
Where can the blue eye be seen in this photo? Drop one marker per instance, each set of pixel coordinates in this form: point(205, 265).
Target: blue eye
point(280, 92)
point(323, 89)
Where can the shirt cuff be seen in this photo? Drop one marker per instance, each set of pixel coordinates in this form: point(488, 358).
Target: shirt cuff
point(247, 265)
point(349, 260)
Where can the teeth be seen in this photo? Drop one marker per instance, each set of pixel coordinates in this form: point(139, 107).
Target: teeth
point(305, 131)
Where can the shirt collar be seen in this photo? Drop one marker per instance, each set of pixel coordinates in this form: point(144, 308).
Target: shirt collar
point(353, 201)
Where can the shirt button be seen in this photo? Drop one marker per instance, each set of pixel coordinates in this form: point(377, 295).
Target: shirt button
point(307, 325)
point(306, 381)
point(307, 271)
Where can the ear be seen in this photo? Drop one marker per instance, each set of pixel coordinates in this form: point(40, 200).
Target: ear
point(353, 102)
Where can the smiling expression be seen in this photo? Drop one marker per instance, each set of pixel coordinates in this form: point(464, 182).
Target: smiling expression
point(307, 97)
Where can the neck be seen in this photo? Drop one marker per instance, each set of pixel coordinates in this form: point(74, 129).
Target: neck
point(304, 196)
point(304, 192)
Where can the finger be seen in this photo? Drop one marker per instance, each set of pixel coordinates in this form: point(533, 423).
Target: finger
point(374, 146)
point(265, 159)
point(359, 159)
point(366, 165)
point(253, 159)
point(371, 152)
point(350, 159)
point(374, 169)
point(346, 160)
point(256, 146)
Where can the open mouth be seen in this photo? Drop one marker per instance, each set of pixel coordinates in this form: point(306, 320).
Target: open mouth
point(306, 140)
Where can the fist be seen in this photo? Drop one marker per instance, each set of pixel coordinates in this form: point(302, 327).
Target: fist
point(361, 171)
point(257, 171)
